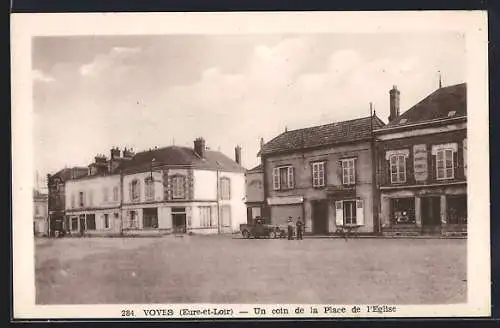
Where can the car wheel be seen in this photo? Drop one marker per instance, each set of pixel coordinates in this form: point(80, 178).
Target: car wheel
point(272, 234)
point(245, 234)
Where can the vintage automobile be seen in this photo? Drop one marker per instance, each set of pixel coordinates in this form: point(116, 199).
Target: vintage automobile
point(260, 229)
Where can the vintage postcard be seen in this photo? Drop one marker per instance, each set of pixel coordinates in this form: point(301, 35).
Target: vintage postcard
point(250, 165)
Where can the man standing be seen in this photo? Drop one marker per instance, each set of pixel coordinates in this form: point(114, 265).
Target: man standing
point(290, 228)
point(300, 227)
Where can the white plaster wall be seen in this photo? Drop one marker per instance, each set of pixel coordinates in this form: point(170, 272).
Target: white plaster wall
point(205, 185)
point(96, 184)
point(158, 185)
point(237, 201)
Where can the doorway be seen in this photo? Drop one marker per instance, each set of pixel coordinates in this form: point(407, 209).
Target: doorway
point(431, 213)
point(82, 224)
point(320, 217)
point(179, 219)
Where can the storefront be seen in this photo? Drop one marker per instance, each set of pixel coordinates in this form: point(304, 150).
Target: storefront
point(284, 207)
point(429, 210)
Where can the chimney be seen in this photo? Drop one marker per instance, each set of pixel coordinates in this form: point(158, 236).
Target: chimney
point(261, 143)
point(394, 103)
point(128, 153)
point(237, 154)
point(199, 146)
point(115, 153)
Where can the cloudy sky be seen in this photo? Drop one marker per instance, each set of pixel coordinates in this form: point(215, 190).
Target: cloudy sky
point(92, 93)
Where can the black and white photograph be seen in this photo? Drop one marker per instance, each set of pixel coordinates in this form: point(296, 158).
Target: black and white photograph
point(250, 165)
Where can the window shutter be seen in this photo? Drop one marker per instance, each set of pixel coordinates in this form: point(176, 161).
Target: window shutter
point(434, 166)
point(408, 169)
point(325, 173)
point(291, 177)
point(339, 173)
point(455, 165)
point(339, 214)
point(388, 171)
point(465, 158)
point(276, 178)
point(360, 213)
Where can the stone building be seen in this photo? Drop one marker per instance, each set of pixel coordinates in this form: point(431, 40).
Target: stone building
point(56, 186)
point(422, 164)
point(323, 174)
point(162, 190)
point(40, 214)
point(254, 179)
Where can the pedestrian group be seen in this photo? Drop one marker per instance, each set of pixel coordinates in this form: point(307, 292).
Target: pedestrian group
point(299, 227)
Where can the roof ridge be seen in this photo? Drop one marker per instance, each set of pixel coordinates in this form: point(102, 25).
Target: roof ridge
point(321, 125)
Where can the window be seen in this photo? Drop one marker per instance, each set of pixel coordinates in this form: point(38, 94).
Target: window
point(106, 221)
point(115, 194)
point(134, 190)
point(206, 217)
point(403, 210)
point(72, 201)
point(348, 171)
point(150, 218)
point(225, 188)
point(397, 164)
point(349, 212)
point(283, 178)
point(318, 174)
point(150, 188)
point(81, 199)
point(90, 222)
point(132, 219)
point(456, 209)
point(445, 167)
point(105, 192)
point(74, 224)
point(226, 215)
point(178, 187)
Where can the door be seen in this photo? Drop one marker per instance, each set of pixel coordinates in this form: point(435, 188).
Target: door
point(82, 224)
point(320, 217)
point(179, 222)
point(431, 214)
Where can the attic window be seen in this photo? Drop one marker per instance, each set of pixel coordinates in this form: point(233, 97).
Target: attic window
point(451, 113)
point(403, 120)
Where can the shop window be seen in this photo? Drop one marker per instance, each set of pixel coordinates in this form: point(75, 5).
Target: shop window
point(456, 209)
point(90, 222)
point(403, 210)
point(132, 220)
point(74, 224)
point(150, 218)
point(349, 212)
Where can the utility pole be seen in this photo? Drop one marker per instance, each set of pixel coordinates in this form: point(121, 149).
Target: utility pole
point(218, 200)
point(375, 195)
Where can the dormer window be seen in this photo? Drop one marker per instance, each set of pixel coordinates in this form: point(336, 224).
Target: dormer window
point(451, 113)
point(403, 121)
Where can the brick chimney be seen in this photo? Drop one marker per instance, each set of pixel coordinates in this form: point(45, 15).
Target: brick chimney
point(237, 154)
point(199, 146)
point(394, 96)
point(128, 153)
point(115, 153)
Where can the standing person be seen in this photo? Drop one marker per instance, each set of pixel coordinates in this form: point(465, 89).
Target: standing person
point(290, 228)
point(300, 227)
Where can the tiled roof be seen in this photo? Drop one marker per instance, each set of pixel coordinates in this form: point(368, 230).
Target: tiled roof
point(438, 105)
point(323, 135)
point(66, 173)
point(182, 156)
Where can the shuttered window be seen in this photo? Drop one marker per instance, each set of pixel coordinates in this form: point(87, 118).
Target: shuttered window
point(283, 178)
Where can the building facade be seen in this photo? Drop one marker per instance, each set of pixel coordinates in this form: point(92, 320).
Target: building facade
point(422, 165)
point(254, 180)
point(171, 189)
point(40, 214)
point(56, 186)
point(324, 175)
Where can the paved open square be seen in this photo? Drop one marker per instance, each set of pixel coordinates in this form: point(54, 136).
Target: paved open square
point(225, 269)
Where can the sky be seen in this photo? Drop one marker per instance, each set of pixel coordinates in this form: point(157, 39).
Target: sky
point(95, 92)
